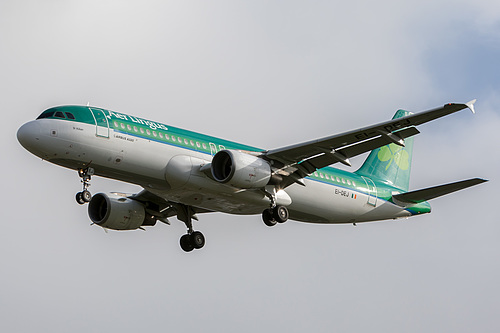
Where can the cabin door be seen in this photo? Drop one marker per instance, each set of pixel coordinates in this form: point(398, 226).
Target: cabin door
point(101, 123)
point(372, 191)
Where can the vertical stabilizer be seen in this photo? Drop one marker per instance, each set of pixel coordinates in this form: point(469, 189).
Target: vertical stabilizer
point(390, 164)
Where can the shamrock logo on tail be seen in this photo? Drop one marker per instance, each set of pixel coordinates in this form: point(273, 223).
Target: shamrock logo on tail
point(394, 153)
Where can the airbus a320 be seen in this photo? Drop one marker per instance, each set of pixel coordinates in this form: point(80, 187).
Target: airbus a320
point(186, 174)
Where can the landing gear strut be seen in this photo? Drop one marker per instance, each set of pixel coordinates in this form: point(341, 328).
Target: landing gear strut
point(193, 239)
point(274, 214)
point(84, 196)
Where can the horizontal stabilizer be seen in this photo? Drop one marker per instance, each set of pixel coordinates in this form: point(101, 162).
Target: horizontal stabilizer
point(418, 196)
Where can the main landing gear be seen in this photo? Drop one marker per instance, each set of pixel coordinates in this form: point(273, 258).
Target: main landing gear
point(84, 196)
point(274, 214)
point(278, 214)
point(193, 239)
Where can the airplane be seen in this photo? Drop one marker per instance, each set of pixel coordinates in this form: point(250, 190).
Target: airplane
point(184, 173)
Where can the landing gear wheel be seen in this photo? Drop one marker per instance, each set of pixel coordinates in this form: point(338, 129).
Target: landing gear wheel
point(280, 214)
point(79, 198)
point(186, 243)
point(86, 196)
point(197, 240)
point(267, 217)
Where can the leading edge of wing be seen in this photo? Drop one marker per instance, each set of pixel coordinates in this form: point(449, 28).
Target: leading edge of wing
point(298, 152)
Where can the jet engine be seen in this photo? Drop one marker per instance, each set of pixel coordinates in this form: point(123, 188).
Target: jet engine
point(240, 169)
point(118, 212)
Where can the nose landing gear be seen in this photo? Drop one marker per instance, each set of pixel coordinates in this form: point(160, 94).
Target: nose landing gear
point(84, 196)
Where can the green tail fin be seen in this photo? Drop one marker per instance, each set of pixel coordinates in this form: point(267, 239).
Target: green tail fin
point(390, 164)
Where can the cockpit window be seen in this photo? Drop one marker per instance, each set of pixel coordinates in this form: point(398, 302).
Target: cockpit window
point(69, 115)
point(46, 114)
point(59, 114)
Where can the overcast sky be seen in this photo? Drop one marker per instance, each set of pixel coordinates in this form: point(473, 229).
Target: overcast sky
point(268, 74)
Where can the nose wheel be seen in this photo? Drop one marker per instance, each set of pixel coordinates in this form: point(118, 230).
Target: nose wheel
point(84, 196)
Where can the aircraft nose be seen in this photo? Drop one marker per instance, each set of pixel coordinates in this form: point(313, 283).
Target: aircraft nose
point(28, 135)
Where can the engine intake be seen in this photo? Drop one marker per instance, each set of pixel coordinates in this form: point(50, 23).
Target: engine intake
point(117, 212)
point(240, 169)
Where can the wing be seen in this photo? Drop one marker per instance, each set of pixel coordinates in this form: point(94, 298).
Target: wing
point(162, 209)
point(300, 160)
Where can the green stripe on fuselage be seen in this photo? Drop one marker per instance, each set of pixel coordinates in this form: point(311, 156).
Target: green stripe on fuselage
point(153, 131)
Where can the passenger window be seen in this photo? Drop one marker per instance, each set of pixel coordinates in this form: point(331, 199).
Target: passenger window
point(161, 135)
point(198, 144)
point(348, 182)
point(129, 127)
point(59, 114)
point(338, 180)
point(70, 115)
point(135, 129)
point(321, 175)
point(353, 183)
point(204, 146)
point(343, 180)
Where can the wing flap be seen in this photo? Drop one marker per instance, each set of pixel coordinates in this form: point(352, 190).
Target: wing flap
point(426, 194)
point(326, 159)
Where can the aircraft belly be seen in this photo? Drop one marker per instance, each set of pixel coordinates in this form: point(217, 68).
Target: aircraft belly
point(203, 192)
point(384, 211)
point(318, 203)
point(324, 203)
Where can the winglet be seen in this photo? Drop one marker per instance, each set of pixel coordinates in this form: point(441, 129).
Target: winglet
point(470, 105)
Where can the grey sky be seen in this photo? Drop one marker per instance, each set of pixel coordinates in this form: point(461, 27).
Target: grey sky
point(269, 74)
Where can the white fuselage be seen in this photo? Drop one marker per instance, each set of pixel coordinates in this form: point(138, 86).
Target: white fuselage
point(173, 173)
